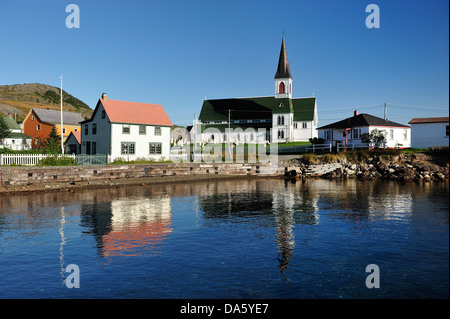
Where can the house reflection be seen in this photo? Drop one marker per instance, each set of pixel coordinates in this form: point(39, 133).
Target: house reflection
point(129, 226)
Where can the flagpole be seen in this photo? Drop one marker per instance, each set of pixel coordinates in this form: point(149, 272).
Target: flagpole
point(62, 138)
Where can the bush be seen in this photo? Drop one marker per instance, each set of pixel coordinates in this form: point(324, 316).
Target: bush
point(309, 159)
point(316, 140)
point(57, 161)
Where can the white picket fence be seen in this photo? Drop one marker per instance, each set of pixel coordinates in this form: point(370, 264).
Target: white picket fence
point(33, 159)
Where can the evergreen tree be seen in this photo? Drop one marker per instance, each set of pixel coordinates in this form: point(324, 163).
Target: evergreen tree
point(53, 142)
point(4, 130)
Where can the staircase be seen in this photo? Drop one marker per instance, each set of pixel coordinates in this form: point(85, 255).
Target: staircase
point(322, 169)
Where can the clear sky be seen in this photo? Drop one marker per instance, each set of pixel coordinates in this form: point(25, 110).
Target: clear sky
point(176, 53)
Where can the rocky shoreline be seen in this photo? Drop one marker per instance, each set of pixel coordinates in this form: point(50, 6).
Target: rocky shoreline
point(414, 167)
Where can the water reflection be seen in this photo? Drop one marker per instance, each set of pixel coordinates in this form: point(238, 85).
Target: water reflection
point(128, 226)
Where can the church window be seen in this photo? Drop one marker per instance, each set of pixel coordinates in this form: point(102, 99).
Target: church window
point(281, 87)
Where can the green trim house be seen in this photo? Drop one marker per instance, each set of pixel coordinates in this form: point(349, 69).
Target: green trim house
point(278, 118)
point(17, 140)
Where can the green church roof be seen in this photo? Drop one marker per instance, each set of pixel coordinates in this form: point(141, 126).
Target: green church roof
point(256, 108)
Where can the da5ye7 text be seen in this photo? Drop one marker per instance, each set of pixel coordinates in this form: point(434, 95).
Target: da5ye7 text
point(256, 308)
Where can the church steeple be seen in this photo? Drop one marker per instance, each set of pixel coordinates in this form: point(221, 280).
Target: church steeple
point(283, 77)
point(283, 70)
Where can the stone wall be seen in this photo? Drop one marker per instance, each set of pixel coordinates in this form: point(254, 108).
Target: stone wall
point(41, 178)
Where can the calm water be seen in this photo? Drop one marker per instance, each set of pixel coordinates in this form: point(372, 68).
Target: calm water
point(228, 239)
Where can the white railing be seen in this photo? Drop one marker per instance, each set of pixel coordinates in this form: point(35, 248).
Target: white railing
point(34, 159)
point(340, 146)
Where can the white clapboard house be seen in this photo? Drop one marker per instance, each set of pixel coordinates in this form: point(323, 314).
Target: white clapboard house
point(349, 131)
point(127, 130)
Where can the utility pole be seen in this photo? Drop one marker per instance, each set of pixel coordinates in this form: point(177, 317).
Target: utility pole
point(229, 132)
point(62, 138)
point(385, 112)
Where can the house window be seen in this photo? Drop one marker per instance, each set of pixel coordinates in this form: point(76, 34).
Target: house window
point(280, 133)
point(38, 127)
point(281, 87)
point(128, 148)
point(103, 114)
point(280, 120)
point(158, 130)
point(356, 133)
point(295, 125)
point(446, 130)
point(32, 117)
point(327, 135)
point(94, 129)
point(405, 134)
point(86, 130)
point(391, 134)
point(94, 148)
point(36, 141)
point(155, 148)
point(142, 129)
point(125, 129)
point(304, 125)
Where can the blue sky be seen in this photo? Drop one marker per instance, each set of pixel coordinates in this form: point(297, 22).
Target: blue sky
point(176, 53)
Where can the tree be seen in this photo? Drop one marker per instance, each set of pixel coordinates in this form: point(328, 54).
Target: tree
point(375, 137)
point(53, 142)
point(4, 130)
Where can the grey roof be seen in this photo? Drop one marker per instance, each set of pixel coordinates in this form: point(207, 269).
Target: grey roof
point(54, 117)
point(283, 70)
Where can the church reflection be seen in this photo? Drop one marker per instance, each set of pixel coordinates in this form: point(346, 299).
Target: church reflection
point(281, 208)
point(128, 226)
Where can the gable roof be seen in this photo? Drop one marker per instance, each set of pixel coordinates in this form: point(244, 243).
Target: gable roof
point(255, 108)
point(362, 119)
point(134, 112)
point(283, 70)
point(10, 123)
point(54, 116)
point(426, 120)
point(76, 134)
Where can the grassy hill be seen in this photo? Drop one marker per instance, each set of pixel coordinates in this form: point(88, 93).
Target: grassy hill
point(20, 98)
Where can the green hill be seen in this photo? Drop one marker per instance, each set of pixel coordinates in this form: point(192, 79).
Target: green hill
point(18, 99)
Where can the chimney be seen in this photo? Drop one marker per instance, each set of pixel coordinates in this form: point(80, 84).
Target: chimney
point(356, 113)
point(104, 96)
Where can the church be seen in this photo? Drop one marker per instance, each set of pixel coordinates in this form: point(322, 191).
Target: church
point(279, 118)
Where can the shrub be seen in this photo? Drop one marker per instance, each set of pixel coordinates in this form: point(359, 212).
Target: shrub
point(57, 161)
point(309, 159)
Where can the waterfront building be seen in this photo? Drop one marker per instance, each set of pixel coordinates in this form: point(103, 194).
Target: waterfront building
point(39, 122)
point(278, 118)
point(429, 131)
point(127, 130)
point(17, 140)
point(349, 131)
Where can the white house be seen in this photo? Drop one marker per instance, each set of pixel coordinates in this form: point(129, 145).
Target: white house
point(349, 131)
point(278, 118)
point(127, 130)
point(429, 131)
point(17, 140)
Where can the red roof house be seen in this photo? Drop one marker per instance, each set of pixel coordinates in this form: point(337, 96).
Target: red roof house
point(128, 130)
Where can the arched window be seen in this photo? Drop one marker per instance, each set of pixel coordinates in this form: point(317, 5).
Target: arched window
point(281, 88)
